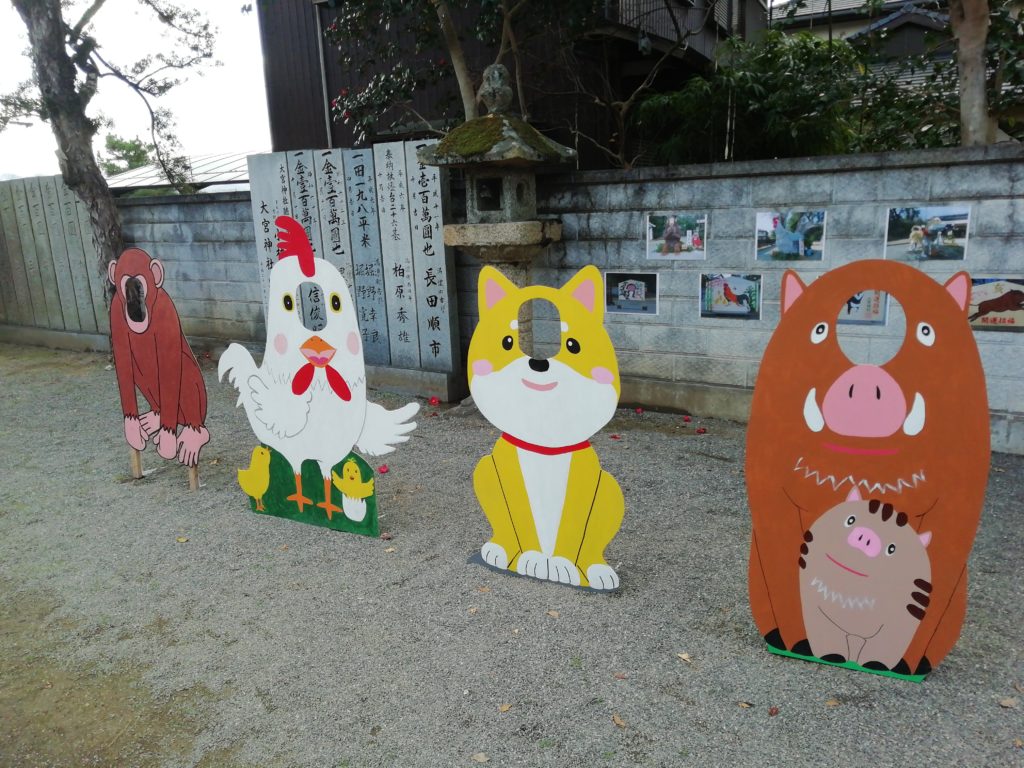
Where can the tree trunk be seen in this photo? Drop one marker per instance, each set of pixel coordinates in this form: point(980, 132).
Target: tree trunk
point(451, 39)
point(64, 108)
point(970, 21)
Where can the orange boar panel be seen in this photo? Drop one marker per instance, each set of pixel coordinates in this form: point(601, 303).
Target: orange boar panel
point(913, 432)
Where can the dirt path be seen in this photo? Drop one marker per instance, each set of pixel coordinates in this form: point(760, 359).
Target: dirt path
point(262, 642)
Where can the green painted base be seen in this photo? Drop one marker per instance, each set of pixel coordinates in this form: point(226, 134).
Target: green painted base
point(282, 485)
point(847, 665)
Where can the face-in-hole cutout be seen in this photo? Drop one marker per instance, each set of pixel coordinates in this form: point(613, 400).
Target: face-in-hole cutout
point(545, 338)
point(859, 328)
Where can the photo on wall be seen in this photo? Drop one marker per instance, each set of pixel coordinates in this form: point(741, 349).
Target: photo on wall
point(927, 233)
point(997, 304)
point(678, 235)
point(865, 308)
point(790, 234)
point(728, 295)
point(631, 293)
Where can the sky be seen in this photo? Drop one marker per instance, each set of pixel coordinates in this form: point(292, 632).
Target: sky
point(218, 109)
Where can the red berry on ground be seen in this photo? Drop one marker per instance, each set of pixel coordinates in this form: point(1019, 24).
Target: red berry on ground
point(686, 419)
point(383, 469)
point(639, 410)
point(435, 400)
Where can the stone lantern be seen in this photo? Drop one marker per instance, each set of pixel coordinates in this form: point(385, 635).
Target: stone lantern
point(499, 153)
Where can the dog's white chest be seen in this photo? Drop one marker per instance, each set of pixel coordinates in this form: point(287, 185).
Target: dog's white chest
point(546, 479)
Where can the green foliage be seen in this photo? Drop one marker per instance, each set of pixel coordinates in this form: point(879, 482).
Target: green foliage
point(782, 96)
point(790, 95)
point(124, 154)
point(406, 35)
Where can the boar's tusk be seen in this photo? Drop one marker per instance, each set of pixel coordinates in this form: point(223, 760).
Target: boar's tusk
point(914, 422)
point(812, 413)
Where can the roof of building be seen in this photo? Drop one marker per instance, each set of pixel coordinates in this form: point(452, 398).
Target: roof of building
point(206, 170)
point(813, 8)
point(908, 13)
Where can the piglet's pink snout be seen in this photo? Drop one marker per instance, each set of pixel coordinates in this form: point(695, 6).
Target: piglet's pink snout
point(865, 540)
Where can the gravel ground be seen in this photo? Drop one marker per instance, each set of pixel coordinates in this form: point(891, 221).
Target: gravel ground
point(263, 642)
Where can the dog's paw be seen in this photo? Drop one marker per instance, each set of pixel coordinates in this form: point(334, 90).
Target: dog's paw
point(533, 563)
point(602, 576)
point(354, 509)
point(564, 571)
point(494, 555)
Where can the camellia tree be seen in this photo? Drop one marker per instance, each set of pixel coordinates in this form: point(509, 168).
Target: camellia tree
point(69, 64)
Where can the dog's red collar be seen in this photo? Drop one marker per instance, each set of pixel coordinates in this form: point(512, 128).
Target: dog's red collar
point(543, 449)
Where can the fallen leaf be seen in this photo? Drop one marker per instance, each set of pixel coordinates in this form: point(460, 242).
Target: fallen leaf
point(383, 469)
point(387, 536)
point(621, 676)
point(473, 609)
point(181, 539)
point(1009, 703)
point(1018, 687)
point(685, 657)
point(108, 368)
point(483, 589)
point(389, 550)
point(745, 704)
point(1018, 743)
point(554, 614)
point(47, 684)
point(504, 707)
point(833, 703)
point(773, 711)
point(283, 548)
point(618, 720)
point(515, 631)
point(480, 757)
point(215, 462)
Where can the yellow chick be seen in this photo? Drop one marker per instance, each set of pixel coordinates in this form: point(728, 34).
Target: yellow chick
point(256, 479)
point(351, 483)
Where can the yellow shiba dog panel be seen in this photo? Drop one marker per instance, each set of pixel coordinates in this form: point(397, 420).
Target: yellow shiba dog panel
point(553, 510)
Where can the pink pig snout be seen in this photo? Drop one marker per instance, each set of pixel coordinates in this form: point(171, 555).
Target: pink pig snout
point(865, 540)
point(864, 402)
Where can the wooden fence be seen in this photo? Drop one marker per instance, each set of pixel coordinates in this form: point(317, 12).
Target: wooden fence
point(50, 277)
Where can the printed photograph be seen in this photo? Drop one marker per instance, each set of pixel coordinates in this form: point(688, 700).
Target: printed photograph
point(997, 304)
point(865, 308)
point(632, 293)
point(790, 235)
point(680, 235)
point(727, 295)
point(928, 233)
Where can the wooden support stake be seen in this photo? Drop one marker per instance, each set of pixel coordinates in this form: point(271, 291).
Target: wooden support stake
point(193, 478)
point(135, 462)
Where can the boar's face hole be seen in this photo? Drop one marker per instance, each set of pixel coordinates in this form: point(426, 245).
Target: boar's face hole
point(870, 327)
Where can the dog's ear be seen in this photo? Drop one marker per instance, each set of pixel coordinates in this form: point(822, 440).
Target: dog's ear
point(492, 288)
point(585, 287)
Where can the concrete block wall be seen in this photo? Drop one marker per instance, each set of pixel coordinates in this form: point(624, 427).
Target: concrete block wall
point(206, 245)
point(709, 366)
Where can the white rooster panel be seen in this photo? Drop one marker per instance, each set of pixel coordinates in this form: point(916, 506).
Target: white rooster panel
point(306, 401)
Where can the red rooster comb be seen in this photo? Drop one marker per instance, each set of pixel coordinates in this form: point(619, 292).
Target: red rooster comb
point(292, 241)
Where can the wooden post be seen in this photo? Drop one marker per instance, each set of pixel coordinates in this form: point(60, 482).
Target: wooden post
point(193, 478)
point(135, 461)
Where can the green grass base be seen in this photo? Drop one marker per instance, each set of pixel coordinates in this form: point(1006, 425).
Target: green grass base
point(282, 485)
point(847, 665)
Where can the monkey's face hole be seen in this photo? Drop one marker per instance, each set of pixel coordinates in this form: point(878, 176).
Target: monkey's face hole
point(135, 299)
